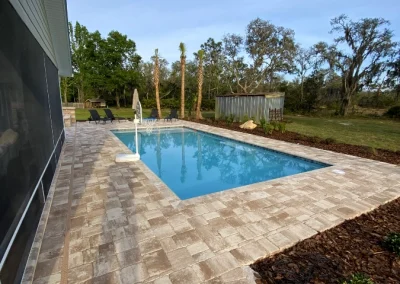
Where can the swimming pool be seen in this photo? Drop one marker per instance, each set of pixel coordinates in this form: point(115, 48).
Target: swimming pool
point(194, 163)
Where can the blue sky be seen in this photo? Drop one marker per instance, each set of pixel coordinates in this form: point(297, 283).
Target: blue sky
point(164, 24)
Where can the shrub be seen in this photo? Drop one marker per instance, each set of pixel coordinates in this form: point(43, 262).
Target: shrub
point(274, 124)
point(263, 122)
point(373, 151)
point(394, 112)
point(330, 140)
point(245, 118)
point(282, 127)
point(359, 278)
point(392, 243)
point(268, 128)
point(230, 119)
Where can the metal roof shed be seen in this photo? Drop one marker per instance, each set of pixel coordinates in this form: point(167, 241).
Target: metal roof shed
point(254, 106)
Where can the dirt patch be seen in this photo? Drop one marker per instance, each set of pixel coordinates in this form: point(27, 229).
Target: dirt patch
point(354, 150)
point(332, 256)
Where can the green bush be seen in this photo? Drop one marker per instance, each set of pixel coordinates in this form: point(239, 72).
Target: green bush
point(359, 278)
point(373, 151)
point(274, 124)
point(230, 119)
point(263, 122)
point(268, 128)
point(282, 127)
point(392, 243)
point(245, 118)
point(394, 112)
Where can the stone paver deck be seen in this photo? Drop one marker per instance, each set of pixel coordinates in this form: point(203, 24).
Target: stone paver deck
point(107, 222)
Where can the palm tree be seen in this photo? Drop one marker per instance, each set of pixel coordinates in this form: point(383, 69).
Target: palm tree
point(157, 81)
point(182, 49)
point(199, 83)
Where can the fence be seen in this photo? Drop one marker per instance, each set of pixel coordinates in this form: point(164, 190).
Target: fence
point(76, 105)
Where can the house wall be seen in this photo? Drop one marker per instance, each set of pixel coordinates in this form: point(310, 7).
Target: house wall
point(31, 138)
point(47, 21)
point(253, 106)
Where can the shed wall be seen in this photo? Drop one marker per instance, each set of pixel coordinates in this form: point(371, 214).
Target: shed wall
point(254, 107)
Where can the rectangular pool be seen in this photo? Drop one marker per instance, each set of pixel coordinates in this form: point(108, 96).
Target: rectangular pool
point(194, 163)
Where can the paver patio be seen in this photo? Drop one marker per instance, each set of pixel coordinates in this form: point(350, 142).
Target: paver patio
point(108, 222)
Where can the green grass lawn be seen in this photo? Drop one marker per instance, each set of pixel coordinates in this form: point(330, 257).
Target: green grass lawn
point(376, 133)
point(83, 114)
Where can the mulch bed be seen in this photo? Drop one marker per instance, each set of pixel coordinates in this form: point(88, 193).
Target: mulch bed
point(354, 150)
point(334, 255)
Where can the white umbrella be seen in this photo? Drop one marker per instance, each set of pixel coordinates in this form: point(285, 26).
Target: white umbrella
point(135, 99)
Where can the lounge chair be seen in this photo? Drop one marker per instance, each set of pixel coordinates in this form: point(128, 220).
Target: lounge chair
point(95, 116)
point(173, 114)
point(153, 114)
point(111, 116)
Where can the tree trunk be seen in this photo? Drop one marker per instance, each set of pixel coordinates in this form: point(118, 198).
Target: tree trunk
point(345, 103)
point(65, 92)
point(302, 90)
point(117, 100)
point(182, 87)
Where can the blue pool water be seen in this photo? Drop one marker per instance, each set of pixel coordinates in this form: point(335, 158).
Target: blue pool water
point(194, 163)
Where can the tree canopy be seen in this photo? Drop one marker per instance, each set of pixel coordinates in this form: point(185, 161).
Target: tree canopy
point(363, 57)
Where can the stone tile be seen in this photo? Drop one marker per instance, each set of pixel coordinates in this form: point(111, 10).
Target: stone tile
point(249, 252)
point(186, 275)
point(186, 238)
point(75, 260)
point(48, 267)
point(136, 273)
point(156, 262)
point(215, 266)
point(163, 280)
point(129, 257)
point(211, 215)
point(150, 245)
point(52, 279)
point(109, 278)
point(179, 258)
point(197, 248)
point(105, 265)
point(164, 231)
point(80, 273)
point(279, 240)
point(124, 244)
point(168, 244)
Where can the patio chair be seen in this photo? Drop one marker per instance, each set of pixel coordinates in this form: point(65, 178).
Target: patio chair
point(95, 116)
point(173, 114)
point(111, 116)
point(154, 114)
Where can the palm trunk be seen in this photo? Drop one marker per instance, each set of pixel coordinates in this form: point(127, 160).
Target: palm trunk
point(199, 89)
point(157, 83)
point(182, 87)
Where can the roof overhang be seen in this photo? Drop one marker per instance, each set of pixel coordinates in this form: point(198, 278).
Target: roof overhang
point(48, 22)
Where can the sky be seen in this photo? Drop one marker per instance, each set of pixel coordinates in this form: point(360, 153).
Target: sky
point(164, 24)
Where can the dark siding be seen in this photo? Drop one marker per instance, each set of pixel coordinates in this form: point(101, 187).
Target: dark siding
point(30, 126)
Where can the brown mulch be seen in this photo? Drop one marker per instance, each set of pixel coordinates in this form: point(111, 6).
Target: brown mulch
point(334, 255)
point(354, 150)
